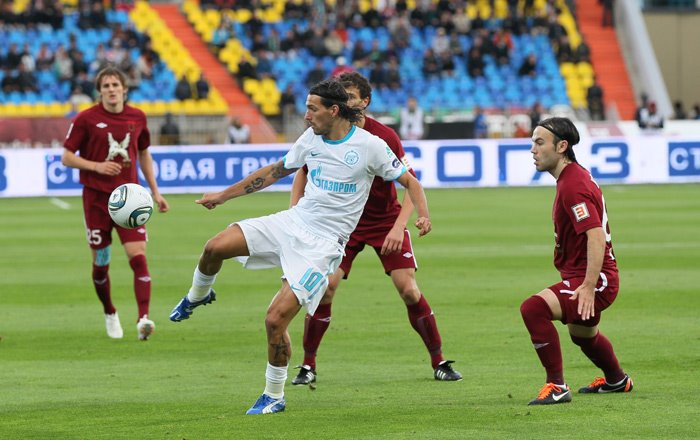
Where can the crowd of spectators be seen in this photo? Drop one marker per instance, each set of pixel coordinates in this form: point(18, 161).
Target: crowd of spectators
point(71, 68)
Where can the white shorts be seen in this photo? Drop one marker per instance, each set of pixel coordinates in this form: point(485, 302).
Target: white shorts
point(306, 259)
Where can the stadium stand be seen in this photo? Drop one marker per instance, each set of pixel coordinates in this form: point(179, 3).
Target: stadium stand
point(500, 55)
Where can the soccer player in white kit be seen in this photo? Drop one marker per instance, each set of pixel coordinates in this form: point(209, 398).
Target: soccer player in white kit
point(307, 241)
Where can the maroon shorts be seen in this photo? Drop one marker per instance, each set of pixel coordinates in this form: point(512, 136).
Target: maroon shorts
point(99, 224)
point(606, 292)
point(396, 260)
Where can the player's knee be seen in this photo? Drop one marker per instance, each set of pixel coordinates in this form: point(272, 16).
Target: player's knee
point(103, 256)
point(214, 248)
point(409, 294)
point(274, 323)
point(534, 307)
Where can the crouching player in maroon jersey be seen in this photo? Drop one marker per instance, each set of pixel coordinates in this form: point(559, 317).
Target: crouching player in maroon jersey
point(584, 257)
point(382, 226)
point(109, 137)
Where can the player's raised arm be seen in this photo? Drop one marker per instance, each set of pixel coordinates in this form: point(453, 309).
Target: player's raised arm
point(415, 191)
point(260, 179)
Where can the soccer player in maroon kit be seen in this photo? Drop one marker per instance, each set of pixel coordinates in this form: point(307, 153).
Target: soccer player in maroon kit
point(110, 136)
point(382, 226)
point(584, 257)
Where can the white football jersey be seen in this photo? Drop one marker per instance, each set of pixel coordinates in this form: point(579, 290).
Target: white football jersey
point(339, 178)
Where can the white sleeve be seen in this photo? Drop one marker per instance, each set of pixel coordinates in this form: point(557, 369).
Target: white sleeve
point(383, 162)
point(296, 156)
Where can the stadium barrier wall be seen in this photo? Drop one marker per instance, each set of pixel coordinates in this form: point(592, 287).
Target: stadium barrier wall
point(438, 164)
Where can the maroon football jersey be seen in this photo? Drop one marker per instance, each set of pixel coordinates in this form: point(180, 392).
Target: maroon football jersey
point(578, 207)
point(382, 206)
point(97, 135)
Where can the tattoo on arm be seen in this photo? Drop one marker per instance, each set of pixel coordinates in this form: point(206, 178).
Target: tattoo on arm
point(255, 185)
point(279, 171)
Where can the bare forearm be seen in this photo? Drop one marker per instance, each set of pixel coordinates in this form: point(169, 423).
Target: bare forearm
point(257, 181)
point(407, 208)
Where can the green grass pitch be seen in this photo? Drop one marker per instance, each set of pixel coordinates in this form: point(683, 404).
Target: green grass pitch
point(62, 378)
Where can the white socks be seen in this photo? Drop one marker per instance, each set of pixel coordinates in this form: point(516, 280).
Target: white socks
point(275, 377)
point(201, 284)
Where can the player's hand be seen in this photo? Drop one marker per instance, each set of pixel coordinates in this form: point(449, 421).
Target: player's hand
point(108, 168)
point(586, 301)
point(393, 241)
point(424, 226)
point(210, 200)
point(163, 205)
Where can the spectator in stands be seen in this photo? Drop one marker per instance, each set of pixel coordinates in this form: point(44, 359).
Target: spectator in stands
point(535, 114)
point(13, 57)
point(100, 61)
point(461, 21)
point(246, 70)
point(696, 112)
point(480, 127)
point(78, 97)
point(441, 42)
point(359, 55)
point(393, 76)
point(679, 111)
point(202, 87)
point(288, 99)
point(316, 75)
point(643, 102)
point(377, 75)
point(529, 66)
point(183, 89)
point(456, 48)
point(169, 131)
point(264, 66)
point(650, 119)
point(341, 66)
point(220, 36)
point(411, 120)
point(79, 65)
point(582, 53)
point(399, 28)
point(317, 46)
point(86, 85)
point(447, 64)
point(117, 54)
point(44, 58)
point(594, 97)
point(9, 82)
point(475, 62)
point(564, 51)
point(375, 53)
point(608, 14)
point(238, 132)
point(431, 64)
point(63, 65)
point(334, 44)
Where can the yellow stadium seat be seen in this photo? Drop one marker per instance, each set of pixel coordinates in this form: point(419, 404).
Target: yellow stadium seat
point(567, 69)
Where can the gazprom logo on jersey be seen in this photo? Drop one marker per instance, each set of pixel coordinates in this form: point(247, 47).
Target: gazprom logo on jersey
point(178, 169)
point(331, 185)
point(684, 158)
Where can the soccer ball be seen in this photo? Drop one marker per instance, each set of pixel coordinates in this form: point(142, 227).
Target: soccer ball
point(130, 205)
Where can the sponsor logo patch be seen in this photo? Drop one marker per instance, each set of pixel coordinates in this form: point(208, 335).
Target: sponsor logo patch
point(580, 211)
point(101, 125)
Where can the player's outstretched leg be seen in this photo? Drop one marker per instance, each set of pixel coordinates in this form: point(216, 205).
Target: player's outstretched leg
point(267, 405)
point(184, 308)
point(551, 394)
point(306, 376)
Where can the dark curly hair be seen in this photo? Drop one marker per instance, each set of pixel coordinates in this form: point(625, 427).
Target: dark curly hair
point(332, 92)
